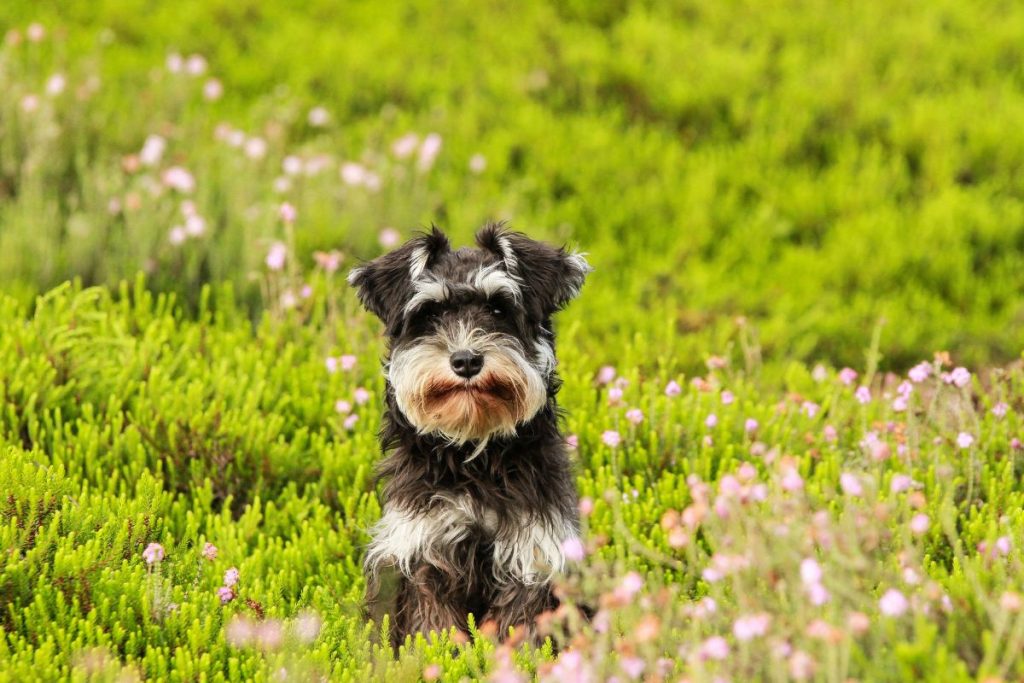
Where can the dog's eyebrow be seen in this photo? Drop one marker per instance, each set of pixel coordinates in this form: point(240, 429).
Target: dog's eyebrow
point(430, 289)
point(491, 280)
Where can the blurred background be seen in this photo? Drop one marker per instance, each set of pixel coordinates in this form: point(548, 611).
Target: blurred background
point(784, 180)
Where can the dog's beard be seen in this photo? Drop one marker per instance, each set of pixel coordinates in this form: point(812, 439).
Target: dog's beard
point(508, 391)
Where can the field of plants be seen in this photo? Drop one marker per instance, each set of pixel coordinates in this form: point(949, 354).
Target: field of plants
point(793, 386)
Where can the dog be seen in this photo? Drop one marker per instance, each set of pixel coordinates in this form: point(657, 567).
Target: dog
point(479, 497)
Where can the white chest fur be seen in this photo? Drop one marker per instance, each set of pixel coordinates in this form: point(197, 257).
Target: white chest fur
point(526, 549)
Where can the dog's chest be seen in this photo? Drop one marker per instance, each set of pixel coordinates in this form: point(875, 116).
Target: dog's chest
point(525, 548)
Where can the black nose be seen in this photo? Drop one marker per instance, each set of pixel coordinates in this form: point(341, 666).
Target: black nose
point(466, 363)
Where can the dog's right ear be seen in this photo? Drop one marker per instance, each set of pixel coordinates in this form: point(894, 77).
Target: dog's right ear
point(384, 285)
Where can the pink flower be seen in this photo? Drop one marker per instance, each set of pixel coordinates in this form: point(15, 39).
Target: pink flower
point(388, 238)
point(801, 666)
point(751, 626)
point(1011, 602)
point(900, 483)
point(361, 395)
point(920, 372)
point(329, 261)
point(231, 577)
point(177, 178)
point(404, 146)
point(893, 603)
point(611, 438)
point(348, 362)
point(210, 552)
point(352, 173)
point(255, 148)
point(195, 65)
point(287, 213)
point(863, 395)
point(899, 404)
point(239, 631)
point(714, 647)
point(429, 150)
point(225, 594)
point(810, 571)
point(153, 553)
point(276, 256)
point(858, 623)
point(152, 150)
point(961, 377)
point(1015, 444)
point(850, 484)
point(905, 389)
point(848, 376)
point(307, 626)
point(573, 549)
point(35, 32)
point(711, 421)
point(213, 90)
point(195, 226)
point(999, 409)
point(632, 666)
point(572, 441)
point(342, 407)
point(318, 117)
point(630, 585)
point(750, 426)
point(55, 85)
point(477, 163)
point(964, 440)
point(350, 421)
point(810, 409)
point(177, 235)
point(586, 506)
point(791, 480)
point(919, 523)
point(606, 374)
point(635, 415)
point(673, 389)
point(830, 433)
point(614, 396)
point(727, 398)
point(817, 594)
point(175, 63)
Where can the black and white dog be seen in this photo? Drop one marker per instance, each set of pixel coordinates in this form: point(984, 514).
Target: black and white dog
point(479, 495)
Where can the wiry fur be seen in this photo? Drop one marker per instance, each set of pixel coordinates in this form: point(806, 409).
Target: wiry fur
point(478, 496)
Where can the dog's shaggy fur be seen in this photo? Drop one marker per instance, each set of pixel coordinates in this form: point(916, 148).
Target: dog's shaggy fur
point(479, 496)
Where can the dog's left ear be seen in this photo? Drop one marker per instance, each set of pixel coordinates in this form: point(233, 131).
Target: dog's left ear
point(384, 285)
point(553, 275)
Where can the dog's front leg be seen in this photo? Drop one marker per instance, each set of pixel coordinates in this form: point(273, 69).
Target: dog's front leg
point(429, 600)
point(517, 604)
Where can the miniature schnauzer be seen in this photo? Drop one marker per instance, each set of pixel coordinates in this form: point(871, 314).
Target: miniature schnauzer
point(479, 495)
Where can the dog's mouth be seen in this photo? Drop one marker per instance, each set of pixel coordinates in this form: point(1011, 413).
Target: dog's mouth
point(439, 391)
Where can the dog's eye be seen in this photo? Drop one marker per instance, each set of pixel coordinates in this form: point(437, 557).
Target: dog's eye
point(497, 311)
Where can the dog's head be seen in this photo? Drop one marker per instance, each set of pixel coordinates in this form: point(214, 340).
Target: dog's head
point(471, 353)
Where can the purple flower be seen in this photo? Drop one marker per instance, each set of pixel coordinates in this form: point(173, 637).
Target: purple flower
point(231, 577)
point(350, 421)
point(225, 594)
point(614, 396)
point(361, 396)
point(673, 389)
point(848, 376)
point(210, 552)
point(606, 374)
point(750, 426)
point(920, 372)
point(900, 483)
point(919, 523)
point(751, 626)
point(287, 212)
point(810, 409)
point(342, 407)
point(863, 395)
point(573, 549)
point(1015, 444)
point(961, 377)
point(711, 421)
point(177, 178)
point(276, 256)
point(964, 440)
point(850, 484)
point(635, 415)
point(999, 409)
point(714, 647)
point(727, 397)
point(153, 553)
point(893, 603)
point(810, 571)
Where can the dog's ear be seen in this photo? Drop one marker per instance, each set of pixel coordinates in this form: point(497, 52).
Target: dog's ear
point(553, 275)
point(384, 284)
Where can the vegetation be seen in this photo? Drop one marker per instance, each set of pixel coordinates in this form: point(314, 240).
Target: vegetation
point(771, 196)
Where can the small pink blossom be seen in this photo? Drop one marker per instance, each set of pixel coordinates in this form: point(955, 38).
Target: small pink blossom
point(477, 163)
point(195, 65)
point(863, 395)
point(919, 523)
point(858, 623)
point(287, 213)
point(1000, 409)
point(848, 376)
point(893, 603)
point(750, 425)
point(255, 148)
point(728, 398)
point(212, 90)
point(231, 577)
point(318, 117)
point(905, 389)
point(791, 480)
point(388, 238)
point(714, 647)
point(175, 63)
point(573, 549)
point(153, 553)
point(55, 85)
point(177, 178)
point(429, 149)
point(920, 372)
point(177, 235)
point(809, 408)
point(817, 594)
point(830, 434)
point(711, 421)
point(348, 361)
point(611, 438)
point(361, 395)
point(900, 483)
point(35, 32)
point(614, 396)
point(673, 388)
point(353, 173)
point(899, 404)
point(225, 594)
point(210, 552)
point(964, 440)
point(751, 626)
point(405, 146)
point(276, 256)
point(635, 415)
point(810, 571)
point(329, 261)
point(586, 506)
point(606, 374)
point(342, 407)
point(350, 421)
point(631, 584)
point(572, 441)
point(633, 667)
point(960, 376)
point(801, 666)
point(850, 484)
point(1015, 444)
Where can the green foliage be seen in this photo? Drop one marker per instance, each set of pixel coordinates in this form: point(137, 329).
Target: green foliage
point(811, 168)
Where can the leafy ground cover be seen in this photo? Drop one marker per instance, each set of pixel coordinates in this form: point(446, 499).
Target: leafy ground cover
point(188, 499)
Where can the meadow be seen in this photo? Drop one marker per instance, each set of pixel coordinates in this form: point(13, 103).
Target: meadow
point(793, 383)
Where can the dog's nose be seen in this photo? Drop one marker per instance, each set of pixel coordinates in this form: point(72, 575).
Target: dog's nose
point(466, 363)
